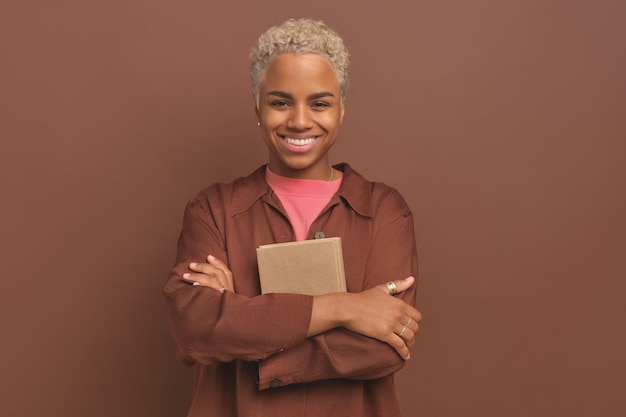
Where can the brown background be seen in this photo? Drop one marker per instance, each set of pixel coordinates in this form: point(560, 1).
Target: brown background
point(502, 123)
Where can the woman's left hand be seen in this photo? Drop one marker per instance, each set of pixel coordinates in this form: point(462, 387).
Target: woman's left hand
point(214, 274)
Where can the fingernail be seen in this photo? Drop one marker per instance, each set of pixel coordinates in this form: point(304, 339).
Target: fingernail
point(186, 275)
point(211, 258)
point(192, 265)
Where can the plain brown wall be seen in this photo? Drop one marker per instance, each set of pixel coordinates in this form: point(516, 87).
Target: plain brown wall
point(502, 123)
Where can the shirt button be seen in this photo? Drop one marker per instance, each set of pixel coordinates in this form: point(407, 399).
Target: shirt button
point(320, 235)
point(275, 383)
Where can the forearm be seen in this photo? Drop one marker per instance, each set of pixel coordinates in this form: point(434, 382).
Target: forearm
point(337, 353)
point(350, 335)
point(211, 327)
point(325, 314)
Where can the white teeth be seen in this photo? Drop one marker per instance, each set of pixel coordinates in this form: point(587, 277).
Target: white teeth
point(299, 142)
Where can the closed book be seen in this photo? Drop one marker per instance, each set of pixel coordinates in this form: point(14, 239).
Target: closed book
point(311, 267)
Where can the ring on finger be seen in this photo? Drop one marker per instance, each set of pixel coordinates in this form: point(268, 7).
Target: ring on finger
point(406, 326)
point(392, 288)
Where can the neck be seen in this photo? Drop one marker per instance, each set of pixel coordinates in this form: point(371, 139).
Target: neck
point(322, 173)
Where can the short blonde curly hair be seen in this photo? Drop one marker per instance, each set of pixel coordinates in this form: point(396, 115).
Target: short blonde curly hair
point(300, 36)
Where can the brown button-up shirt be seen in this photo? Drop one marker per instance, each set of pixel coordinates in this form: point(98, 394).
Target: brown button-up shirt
point(251, 352)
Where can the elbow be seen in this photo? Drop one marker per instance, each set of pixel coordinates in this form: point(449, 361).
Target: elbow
point(192, 347)
point(191, 326)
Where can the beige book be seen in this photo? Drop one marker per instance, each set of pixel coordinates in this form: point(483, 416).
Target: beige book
point(311, 267)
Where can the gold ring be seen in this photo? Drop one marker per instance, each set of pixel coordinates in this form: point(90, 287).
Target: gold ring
point(392, 288)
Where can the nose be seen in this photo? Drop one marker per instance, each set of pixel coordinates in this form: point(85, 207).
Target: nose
point(300, 118)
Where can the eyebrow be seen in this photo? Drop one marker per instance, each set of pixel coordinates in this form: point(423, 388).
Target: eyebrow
point(315, 96)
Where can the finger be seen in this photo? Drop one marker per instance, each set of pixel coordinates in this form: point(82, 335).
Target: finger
point(203, 280)
point(224, 268)
point(198, 279)
point(404, 284)
point(224, 277)
point(415, 315)
point(204, 268)
point(187, 277)
point(408, 337)
point(413, 326)
point(418, 316)
point(406, 329)
point(397, 286)
point(400, 346)
point(412, 313)
point(216, 262)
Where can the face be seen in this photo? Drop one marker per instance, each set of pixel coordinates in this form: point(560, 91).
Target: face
point(300, 111)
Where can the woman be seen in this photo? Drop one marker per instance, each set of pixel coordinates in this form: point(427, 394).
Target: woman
point(291, 354)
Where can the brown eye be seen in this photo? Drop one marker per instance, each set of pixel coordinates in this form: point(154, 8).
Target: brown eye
point(279, 103)
point(320, 105)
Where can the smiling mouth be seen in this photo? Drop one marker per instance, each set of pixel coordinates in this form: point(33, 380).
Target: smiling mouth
point(299, 142)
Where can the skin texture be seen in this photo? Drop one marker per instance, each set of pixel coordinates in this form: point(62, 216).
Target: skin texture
point(300, 99)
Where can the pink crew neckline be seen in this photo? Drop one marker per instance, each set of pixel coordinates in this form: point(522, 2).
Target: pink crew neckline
point(302, 199)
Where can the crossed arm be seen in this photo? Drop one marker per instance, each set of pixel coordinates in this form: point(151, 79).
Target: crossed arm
point(373, 312)
point(296, 338)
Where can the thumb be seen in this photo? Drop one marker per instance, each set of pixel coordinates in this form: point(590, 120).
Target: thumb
point(404, 284)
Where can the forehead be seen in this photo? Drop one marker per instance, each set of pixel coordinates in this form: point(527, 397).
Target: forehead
point(293, 72)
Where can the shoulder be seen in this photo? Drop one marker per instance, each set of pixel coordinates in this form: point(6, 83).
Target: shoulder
point(231, 196)
point(244, 187)
point(371, 198)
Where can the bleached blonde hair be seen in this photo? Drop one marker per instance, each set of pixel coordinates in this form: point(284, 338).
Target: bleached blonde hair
point(299, 36)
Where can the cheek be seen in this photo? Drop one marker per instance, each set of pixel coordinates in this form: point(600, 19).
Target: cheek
point(330, 122)
point(271, 120)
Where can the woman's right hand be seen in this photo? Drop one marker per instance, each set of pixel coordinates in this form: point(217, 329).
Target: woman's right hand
point(374, 313)
point(214, 273)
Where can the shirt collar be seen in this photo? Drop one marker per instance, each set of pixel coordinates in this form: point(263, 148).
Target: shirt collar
point(354, 190)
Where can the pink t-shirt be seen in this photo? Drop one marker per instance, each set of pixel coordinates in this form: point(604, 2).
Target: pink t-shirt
point(303, 200)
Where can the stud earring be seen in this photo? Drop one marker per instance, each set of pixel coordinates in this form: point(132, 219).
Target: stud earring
point(258, 123)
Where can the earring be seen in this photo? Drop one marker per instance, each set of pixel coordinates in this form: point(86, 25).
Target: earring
point(258, 123)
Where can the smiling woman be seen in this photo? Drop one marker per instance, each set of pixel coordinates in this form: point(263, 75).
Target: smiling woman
point(300, 110)
point(293, 354)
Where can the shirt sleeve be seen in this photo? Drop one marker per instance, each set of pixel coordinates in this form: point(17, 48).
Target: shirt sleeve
point(340, 353)
point(211, 327)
